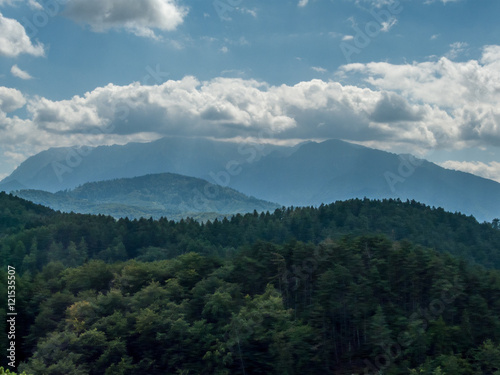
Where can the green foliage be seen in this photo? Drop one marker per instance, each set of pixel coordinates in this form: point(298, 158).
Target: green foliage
point(252, 298)
point(41, 236)
point(197, 314)
point(8, 372)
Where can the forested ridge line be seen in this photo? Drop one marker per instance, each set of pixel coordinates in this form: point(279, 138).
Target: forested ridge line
point(31, 235)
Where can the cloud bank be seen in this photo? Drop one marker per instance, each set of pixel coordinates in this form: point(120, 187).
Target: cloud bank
point(418, 107)
point(466, 93)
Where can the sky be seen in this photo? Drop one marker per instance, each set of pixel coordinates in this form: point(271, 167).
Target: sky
point(407, 76)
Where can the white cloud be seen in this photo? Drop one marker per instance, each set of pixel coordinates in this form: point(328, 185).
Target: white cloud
point(17, 72)
point(17, 137)
point(232, 107)
point(138, 17)
point(224, 49)
point(14, 41)
point(491, 56)
point(169, 107)
point(457, 49)
point(319, 69)
point(10, 99)
point(415, 107)
point(303, 3)
point(443, 82)
point(347, 37)
point(35, 5)
point(487, 170)
point(466, 93)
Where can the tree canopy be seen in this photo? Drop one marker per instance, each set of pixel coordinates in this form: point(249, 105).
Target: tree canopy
point(354, 287)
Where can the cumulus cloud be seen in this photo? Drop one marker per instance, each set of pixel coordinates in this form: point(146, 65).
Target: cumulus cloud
point(18, 72)
point(10, 99)
point(487, 170)
point(393, 108)
point(17, 137)
point(423, 105)
point(218, 107)
point(14, 40)
point(233, 107)
point(491, 56)
point(21, 138)
point(464, 82)
point(467, 92)
point(138, 17)
point(415, 107)
point(303, 3)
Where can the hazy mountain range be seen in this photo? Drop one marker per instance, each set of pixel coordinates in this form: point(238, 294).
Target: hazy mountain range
point(66, 168)
point(307, 174)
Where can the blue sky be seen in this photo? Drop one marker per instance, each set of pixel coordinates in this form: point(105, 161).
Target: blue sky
point(410, 76)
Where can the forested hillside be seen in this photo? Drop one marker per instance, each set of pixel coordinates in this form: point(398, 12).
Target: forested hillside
point(18, 214)
point(154, 195)
point(353, 287)
point(270, 309)
point(74, 238)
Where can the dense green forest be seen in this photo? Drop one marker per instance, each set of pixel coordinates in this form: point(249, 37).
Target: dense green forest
point(32, 235)
point(355, 287)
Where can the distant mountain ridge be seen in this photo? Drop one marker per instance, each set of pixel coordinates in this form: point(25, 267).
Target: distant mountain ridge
point(155, 195)
point(335, 170)
point(308, 174)
point(63, 168)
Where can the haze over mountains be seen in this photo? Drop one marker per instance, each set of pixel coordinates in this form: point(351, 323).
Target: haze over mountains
point(307, 174)
point(66, 168)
